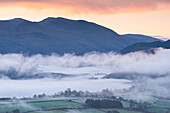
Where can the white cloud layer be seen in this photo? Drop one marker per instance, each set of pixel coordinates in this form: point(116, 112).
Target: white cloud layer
point(89, 63)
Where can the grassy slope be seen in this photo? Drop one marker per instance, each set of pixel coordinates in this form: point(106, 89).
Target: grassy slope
point(62, 105)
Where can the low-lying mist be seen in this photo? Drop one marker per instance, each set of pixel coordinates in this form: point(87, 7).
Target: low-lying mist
point(138, 62)
point(89, 65)
point(21, 88)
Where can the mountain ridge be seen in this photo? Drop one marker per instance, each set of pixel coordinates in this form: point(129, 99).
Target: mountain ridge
point(61, 35)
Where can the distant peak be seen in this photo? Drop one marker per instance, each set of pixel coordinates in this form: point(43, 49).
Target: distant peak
point(15, 20)
point(18, 19)
point(54, 18)
point(58, 19)
point(50, 18)
point(62, 18)
point(82, 21)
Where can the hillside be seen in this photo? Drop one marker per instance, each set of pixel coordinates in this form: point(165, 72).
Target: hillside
point(147, 47)
point(60, 35)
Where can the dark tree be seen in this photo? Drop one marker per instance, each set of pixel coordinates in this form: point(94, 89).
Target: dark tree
point(114, 111)
point(113, 97)
point(103, 103)
point(16, 111)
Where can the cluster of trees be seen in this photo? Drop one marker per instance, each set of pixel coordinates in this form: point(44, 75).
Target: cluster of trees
point(73, 93)
point(15, 111)
point(138, 105)
point(3, 99)
point(104, 103)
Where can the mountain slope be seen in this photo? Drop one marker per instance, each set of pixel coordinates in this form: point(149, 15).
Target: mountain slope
point(60, 35)
point(147, 47)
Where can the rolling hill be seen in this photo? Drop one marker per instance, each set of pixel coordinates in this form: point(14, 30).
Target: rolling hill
point(146, 47)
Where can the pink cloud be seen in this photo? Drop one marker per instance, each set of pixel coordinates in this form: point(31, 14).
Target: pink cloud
point(94, 6)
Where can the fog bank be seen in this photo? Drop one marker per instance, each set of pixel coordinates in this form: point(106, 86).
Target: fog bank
point(92, 63)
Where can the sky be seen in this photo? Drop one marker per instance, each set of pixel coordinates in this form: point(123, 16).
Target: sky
point(148, 17)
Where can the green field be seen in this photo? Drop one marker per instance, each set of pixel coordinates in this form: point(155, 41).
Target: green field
point(75, 105)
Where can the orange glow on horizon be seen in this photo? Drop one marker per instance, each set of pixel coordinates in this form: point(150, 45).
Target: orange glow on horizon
point(139, 18)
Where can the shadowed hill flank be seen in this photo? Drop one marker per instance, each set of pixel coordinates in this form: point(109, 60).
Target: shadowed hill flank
point(146, 47)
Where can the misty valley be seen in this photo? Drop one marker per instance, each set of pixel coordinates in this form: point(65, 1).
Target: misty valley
point(33, 84)
point(59, 65)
